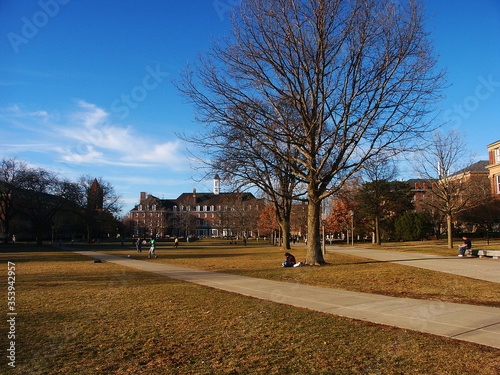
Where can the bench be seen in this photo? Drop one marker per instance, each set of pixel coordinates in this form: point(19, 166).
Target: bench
point(495, 254)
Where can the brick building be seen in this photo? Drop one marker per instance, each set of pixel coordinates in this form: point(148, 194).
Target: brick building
point(476, 173)
point(494, 167)
point(212, 214)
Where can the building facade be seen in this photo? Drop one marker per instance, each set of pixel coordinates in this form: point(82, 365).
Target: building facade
point(494, 167)
point(213, 214)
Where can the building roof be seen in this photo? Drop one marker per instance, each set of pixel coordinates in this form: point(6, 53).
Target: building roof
point(493, 144)
point(479, 167)
point(195, 199)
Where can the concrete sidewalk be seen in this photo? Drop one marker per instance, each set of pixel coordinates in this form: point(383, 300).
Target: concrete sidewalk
point(476, 268)
point(475, 324)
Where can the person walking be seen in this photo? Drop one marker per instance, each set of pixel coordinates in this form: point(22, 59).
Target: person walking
point(152, 249)
point(176, 242)
point(138, 245)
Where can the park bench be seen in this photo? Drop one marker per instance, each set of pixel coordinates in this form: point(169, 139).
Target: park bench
point(495, 254)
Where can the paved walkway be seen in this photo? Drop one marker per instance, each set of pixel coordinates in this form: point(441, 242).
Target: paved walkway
point(487, 269)
point(477, 324)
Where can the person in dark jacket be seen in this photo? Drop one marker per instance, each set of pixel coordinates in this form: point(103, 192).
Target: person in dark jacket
point(290, 260)
point(465, 246)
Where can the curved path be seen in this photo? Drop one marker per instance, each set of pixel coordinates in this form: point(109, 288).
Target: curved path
point(477, 324)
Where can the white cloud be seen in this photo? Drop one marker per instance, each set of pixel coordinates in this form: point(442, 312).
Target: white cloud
point(87, 136)
point(101, 141)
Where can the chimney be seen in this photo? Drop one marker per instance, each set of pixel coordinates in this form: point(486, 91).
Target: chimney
point(143, 196)
point(194, 196)
point(416, 185)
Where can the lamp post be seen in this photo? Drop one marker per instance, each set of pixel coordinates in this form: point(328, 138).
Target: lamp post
point(352, 226)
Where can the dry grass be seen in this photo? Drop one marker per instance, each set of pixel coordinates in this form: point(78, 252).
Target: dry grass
point(80, 317)
point(342, 272)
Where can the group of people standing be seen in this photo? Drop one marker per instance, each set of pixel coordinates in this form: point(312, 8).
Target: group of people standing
point(152, 248)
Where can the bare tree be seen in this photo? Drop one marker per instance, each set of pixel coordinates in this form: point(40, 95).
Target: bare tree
point(443, 163)
point(96, 202)
point(42, 195)
point(359, 76)
point(243, 157)
point(12, 176)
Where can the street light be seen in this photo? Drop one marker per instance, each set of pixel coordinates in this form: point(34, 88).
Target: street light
point(352, 226)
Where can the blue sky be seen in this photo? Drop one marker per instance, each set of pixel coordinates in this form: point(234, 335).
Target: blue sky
point(86, 87)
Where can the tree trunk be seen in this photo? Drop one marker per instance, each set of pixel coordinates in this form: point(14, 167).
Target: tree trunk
point(449, 224)
point(285, 228)
point(378, 240)
point(314, 255)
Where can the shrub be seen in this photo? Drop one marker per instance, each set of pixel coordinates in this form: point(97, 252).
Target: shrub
point(412, 226)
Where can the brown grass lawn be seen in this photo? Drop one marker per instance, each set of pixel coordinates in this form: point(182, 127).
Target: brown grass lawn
point(343, 271)
point(79, 317)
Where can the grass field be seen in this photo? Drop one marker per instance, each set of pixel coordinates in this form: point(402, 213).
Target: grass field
point(79, 317)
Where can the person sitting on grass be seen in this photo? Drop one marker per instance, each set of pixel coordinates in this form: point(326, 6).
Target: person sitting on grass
point(290, 260)
point(465, 246)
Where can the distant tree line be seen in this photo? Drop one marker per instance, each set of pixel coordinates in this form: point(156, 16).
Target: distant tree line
point(37, 204)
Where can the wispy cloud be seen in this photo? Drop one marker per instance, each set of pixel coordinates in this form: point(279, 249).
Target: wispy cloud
point(86, 136)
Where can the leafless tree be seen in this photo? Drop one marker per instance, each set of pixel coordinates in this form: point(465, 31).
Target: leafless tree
point(96, 202)
point(42, 195)
point(443, 164)
point(358, 75)
point(12, 176)
point(243, 157)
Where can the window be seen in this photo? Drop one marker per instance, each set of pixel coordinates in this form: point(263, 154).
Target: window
point(497, 155)
point(498, 183)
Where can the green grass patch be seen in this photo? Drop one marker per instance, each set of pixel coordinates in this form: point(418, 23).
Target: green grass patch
point(80, 317)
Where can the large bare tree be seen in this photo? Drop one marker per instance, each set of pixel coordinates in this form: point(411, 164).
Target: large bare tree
point(359, 76)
